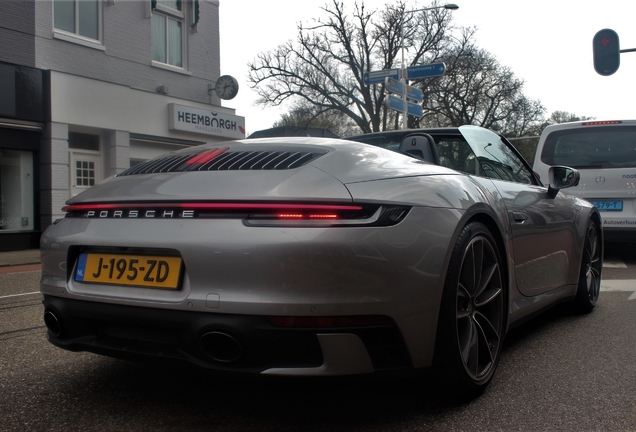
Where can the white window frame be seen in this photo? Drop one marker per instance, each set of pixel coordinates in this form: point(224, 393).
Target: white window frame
point(75, 37)
point(177, 15)
point(74, 153)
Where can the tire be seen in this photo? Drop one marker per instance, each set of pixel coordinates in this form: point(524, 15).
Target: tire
point(591, 267)
point(473, 312)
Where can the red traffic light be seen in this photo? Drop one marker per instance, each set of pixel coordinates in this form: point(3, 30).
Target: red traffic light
point(607, 54)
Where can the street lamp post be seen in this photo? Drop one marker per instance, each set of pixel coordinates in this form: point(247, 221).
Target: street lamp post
point(403, 79)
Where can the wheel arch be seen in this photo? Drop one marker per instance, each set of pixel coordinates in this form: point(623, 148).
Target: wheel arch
point(445, 358)
point(596, 217)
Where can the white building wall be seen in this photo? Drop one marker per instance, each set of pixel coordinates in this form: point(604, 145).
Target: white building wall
point(116, 146)
point(54, 172)
point(87, 102)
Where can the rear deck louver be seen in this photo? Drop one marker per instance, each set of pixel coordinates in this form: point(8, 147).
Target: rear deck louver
point(222, 159)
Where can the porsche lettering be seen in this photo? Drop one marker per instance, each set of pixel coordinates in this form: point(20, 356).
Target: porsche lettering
point(167, 214)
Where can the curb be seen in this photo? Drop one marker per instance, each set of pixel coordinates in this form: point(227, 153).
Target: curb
point(21, 268)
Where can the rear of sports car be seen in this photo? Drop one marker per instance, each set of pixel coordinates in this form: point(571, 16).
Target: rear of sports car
point(298, 257)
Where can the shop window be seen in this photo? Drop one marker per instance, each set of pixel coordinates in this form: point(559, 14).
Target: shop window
point(78, 17)
point(168, 27)
point(16, 190)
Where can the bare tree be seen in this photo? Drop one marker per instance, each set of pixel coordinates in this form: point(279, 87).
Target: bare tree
point(323, 69)
point(304, 115)
point(564, 117)
point(325, 66)
point(478, 90)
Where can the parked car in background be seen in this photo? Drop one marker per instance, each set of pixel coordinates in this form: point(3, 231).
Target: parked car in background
point(321, 257)
point(604, 153)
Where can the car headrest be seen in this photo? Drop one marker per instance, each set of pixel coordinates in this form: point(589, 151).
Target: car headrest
point(421, 146)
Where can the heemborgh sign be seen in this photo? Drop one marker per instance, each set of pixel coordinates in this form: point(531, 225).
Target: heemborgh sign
point(189, 119)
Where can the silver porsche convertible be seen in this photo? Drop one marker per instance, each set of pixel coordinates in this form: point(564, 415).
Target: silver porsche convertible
point(319, 257)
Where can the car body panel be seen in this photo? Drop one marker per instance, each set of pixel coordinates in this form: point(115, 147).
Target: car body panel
point(545, 253)
point(277, 271)
point(320, 180)
point(311, 184)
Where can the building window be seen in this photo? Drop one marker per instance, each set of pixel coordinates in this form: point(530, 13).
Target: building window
point(79, 17)
point(168, 24)
point(83, 141)
point(84, 173)
point(85, 161)
point(85, 165)
point(16, 190)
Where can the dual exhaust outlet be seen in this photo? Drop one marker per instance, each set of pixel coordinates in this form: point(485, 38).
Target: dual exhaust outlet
point(217, 345)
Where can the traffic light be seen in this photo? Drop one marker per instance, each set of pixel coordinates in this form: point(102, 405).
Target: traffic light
point(607, 56)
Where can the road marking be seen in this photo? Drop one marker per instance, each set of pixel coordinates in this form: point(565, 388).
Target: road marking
point(16, 295)
point(628, 285)
point(614, 263)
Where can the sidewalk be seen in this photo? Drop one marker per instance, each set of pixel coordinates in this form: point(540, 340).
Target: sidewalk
point(20, 258)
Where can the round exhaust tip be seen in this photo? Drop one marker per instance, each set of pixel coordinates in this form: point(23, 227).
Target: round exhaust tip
point(52, 323)
point(221, 347)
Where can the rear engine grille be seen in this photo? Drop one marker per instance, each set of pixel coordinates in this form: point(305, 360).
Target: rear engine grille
point(224, 159)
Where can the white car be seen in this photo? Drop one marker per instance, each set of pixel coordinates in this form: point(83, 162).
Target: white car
point(604, 153)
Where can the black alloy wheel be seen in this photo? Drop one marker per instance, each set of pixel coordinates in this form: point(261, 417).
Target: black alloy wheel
point(591, 268)
point(479, 308)
point(472, 318)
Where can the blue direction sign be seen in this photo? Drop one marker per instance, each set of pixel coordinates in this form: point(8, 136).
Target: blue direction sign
point(397, 87)
point(394, 86)
point(423, 71)
point(397, 104)
point(414, 93)
point(376, 77)
point(415, 109)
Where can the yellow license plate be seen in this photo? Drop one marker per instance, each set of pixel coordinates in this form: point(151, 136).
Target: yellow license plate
point(135, 270)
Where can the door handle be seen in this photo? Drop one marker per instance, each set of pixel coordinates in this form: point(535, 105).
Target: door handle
point(519, 216)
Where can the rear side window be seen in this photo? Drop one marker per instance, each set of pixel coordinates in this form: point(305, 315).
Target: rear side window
point(593, 147)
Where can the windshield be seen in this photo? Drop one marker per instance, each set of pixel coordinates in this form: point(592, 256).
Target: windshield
point(599, 147)
point(496, 159)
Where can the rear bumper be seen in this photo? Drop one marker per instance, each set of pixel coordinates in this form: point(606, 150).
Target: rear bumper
point(613, 234)
point(131, 332)
point(233, 270)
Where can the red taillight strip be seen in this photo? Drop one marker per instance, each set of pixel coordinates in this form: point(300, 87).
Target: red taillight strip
point(206, 156)
point(311, 216)
point(601, 123)
point(211, 206)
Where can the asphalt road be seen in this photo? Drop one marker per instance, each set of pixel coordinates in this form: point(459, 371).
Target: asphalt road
point(562, 371)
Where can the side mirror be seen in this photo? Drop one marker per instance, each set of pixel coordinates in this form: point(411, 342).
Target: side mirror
point(562, 177)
